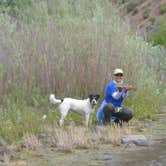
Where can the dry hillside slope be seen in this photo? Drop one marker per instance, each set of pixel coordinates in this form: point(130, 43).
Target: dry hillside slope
point(144, 15)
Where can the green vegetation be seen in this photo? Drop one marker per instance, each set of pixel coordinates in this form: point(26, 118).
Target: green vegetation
point(159, 38)
point(162, 9)
point(135, 11)
point(15, 8)
point(146, 14)
point(132, 6)
point(69, 48)
point(152, 20)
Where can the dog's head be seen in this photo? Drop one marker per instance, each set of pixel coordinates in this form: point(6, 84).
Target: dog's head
point(94, 98)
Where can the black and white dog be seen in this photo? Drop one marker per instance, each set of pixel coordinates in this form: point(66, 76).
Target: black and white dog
point(83, 107)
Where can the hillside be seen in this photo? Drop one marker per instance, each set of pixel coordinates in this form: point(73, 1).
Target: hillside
point(145, 16)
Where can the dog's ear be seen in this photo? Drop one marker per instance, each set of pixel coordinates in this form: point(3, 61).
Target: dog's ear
point(97, 96)
point(90, 96)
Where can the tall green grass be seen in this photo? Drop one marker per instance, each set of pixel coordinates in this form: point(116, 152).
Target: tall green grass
point(70, 51)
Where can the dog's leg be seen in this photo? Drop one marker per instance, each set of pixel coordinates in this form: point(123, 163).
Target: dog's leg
point(86, 117)
point(61, 121)
point(63, 111)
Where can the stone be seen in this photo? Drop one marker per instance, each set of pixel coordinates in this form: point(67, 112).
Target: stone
point(44, 136)
point(4, 151)
point(139, 140)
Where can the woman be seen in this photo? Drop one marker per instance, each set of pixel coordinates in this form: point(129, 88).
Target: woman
point(111, 108)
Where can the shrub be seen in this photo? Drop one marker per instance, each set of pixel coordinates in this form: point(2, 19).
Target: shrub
point(162, 9)
point(146, 14)
point(131, 7)
point(152, 20)
point(135, 11)
point(149, 28)
point(159, 38)
point(15, 8)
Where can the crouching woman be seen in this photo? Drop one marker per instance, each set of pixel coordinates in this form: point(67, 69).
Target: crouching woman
point(111, 109)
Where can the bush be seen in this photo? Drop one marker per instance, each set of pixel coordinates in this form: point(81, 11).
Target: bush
point(162, 9)
point(15, 7)
point(149, 28)
point(159, 38)
point(152, 20)
point(146, 14)
point(135, 11)
point(131, 7)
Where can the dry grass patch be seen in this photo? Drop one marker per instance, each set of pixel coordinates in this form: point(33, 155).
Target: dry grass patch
point(31, 141)
point(73, 137)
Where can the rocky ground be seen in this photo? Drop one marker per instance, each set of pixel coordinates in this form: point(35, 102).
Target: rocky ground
point(143, 15)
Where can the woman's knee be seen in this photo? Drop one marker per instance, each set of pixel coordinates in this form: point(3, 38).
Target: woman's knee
point(108, 108)
point(129, 113)
point(107, 111)
point(126, 115)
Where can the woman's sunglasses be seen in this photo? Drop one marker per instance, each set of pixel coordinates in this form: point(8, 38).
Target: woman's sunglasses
point(119, 74)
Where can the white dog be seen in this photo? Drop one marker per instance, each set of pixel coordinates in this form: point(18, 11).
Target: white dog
point(83, 107)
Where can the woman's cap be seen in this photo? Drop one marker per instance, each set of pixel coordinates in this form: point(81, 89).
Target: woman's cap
point(118, 71)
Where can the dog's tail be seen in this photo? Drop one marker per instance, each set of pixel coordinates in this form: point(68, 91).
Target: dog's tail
point(53, 100)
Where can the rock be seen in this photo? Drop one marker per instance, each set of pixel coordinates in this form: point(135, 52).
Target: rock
point(139, 140)
point(4, 153)
point(131, 145)
point(163, 107)
point(155, 163)
point(44, 136)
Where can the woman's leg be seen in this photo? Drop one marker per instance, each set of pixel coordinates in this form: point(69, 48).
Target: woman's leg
point(125, 114)
point(100, 114)
point(108, 111)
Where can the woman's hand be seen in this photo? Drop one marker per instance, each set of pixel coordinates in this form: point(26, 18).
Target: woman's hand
point(127, 88)
point(120, 88)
